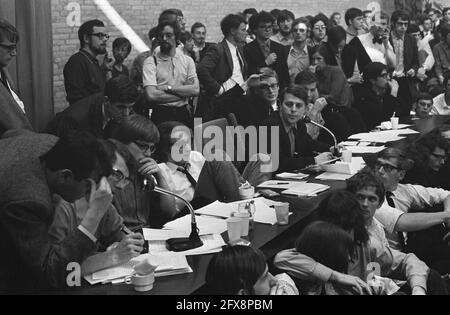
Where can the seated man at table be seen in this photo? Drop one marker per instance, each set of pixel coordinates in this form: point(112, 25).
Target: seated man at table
point(201, 179)
point(114, 247)
point(32, 168)
point(423, 106)
point(408, 209)
point(138, 206)
point(376, 98)
point(296, 147)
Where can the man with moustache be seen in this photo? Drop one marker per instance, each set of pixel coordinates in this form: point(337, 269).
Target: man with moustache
point(83, 74)
point(170, 78)
point(201, 47)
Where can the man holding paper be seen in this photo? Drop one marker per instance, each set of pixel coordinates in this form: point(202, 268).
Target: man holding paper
point(296, 146)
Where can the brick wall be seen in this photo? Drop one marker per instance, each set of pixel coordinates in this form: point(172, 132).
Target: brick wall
point(141, 15)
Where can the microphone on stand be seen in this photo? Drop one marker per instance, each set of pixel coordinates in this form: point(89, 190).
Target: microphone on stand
point(177, 244)
point(307, 120)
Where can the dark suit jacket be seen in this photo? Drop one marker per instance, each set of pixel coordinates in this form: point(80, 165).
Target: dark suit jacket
point(217, 67)
point(203, 52)
point(305, 146)
point(256, 60)
point(87, 113)
point(348, 57)
point(410, 54)
point(29, 260)
point(11, 115)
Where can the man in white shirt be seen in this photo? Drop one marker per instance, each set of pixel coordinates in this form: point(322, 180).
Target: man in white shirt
point(170, 78)
point(405, 211)
point(12, 109)
point(441, 102)
point(375, 45)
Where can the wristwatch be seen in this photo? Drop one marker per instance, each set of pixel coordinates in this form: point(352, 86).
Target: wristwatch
point(169, 89)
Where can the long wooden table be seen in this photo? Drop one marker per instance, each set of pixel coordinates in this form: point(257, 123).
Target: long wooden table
point(269, 239)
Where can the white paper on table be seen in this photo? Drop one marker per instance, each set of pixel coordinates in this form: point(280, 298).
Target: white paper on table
point(206, 224)
point(383, 136)
point(163, 235)
point(211, 244)
point(334, 176)
point(278, 184)
point(387, 125)
point(167, 264)
point(346, 168)
point(365, 150)
point(292, 176)
point(349, 143)
point(306, 189)
point(263, 214)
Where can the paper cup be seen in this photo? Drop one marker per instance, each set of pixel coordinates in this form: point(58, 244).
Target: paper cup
point(245, 222)
point(347, 156)
point(394, 123)
point(234, 228)
point(282, 212)
point(143, 283)
point(246, 193)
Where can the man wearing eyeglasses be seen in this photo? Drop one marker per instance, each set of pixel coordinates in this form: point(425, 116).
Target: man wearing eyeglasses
point(12, 109)
point(264, 52)
point(400, 213)
point(375, 100)
point(83, 74)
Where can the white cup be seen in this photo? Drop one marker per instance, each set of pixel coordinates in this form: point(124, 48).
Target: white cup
point(282, 211)
point(234, 226)
point(347, 156)
point(247, 193)
point(141, 283)
point(394, 123)
point(245, 222)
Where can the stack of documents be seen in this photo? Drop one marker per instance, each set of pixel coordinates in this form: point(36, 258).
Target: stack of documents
point(211, 244)
point(263, 214)
point(278, 184)
point(167, 264)
point(387, 125)
point(383, 136)
point(346, 168)
point(306, 190)
point(292, 176)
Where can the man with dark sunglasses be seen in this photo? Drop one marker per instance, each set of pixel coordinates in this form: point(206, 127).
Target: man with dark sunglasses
point(83, 74)
point(12, 109)
point(400, 213)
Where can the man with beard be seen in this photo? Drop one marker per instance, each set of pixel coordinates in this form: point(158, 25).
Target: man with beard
point(170, 78)
point(284, 21)
point(201, 47)
point(83, 74)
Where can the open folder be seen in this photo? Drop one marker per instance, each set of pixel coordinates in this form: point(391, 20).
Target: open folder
point(306, 190)
point(167, 265)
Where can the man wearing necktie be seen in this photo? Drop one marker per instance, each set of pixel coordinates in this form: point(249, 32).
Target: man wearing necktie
point(12, 109)
point(407, 61)
point(400, 214)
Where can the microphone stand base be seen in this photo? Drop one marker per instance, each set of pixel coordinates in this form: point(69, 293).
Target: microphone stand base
point(183, 244)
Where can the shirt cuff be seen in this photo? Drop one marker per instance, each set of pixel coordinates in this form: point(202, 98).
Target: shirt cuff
point(87, 233)
point(418, 281)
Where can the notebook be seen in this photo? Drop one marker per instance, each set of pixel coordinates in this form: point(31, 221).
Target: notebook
point(306, 190)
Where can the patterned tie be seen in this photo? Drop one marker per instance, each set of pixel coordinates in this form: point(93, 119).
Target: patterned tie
point(185, 171)
point(390, 200)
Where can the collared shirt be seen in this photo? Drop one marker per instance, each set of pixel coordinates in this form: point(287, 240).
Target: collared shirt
point(14, 95)
point(237, 75)
point(283, 40)
point(406, 198)
point(176, 71)
point(391, 261)
point(426, 57)
point(441, 53)
point(83, 77)
point(178, 182)
point(377, 52)
point(399, 49)
point(297, 61)
point(440, 106)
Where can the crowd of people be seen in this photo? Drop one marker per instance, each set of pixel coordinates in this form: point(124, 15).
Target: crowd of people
point(69, 193)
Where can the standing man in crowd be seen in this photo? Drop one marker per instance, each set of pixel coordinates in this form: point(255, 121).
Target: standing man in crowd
point(263, 52)
point(170, 78)
point(201, 47)
point(12, 109)
point(224, 66)
point(355, 21)
point(83, 74)
point(284, 21)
